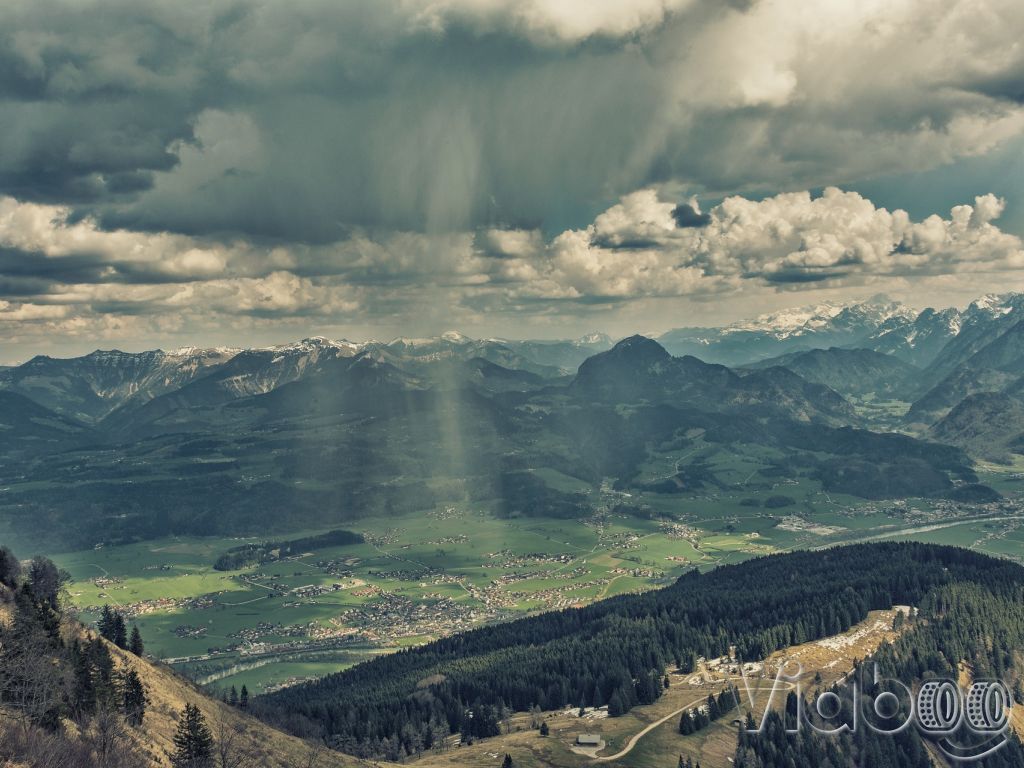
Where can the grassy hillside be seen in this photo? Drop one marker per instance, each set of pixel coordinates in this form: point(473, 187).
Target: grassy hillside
point(59, 734)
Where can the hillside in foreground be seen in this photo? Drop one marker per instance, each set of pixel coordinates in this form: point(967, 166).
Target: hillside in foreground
point(64, 697)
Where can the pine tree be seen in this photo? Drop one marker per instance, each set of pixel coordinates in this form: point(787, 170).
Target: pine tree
point(616, 706)
point(106, 623)
point(233, 697)
point(544, 730)
point(10, 568)
point(84, 690)
point(713, 713)
point(507, 762)
point(700, 721)
point(120, 632)
point(193, 742)
point(134, 698)
point(135, 642)
point(101, 669)
point(686, 724)
point(243, 698)
point(727, 700)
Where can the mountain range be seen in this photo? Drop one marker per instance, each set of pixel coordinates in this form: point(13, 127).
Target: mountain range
point(870, 399)
point(319, 432)
point(91, 387)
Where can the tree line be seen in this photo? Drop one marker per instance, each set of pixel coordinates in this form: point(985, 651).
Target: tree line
point(271, 551)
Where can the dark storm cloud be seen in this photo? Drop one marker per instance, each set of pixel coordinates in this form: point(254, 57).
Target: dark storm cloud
point(79, 268)
point(301, 121)
point(185, 165)
point(16, 287)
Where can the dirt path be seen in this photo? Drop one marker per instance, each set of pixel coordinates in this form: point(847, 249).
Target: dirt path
point(604, 591)
point(637, 736)
point(640, 734)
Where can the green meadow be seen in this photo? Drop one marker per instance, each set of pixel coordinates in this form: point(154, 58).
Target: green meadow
point(419, 576)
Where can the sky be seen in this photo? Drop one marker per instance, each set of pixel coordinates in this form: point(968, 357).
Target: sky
point(246, 172)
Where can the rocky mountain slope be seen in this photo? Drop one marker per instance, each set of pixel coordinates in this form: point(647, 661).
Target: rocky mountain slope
point(858, 372)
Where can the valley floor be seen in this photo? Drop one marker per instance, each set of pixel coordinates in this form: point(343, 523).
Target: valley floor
point(418, 577)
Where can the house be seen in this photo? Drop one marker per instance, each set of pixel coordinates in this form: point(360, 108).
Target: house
point(589, 740)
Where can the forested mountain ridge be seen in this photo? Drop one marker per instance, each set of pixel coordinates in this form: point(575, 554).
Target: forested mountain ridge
point(615, 652)
point(639, 368)
point(968, 632)
point(850, 371)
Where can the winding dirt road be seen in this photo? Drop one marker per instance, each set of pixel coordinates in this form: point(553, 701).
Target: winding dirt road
point(640, 734)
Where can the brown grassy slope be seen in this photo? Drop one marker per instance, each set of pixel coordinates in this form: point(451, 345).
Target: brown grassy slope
point(168, 693)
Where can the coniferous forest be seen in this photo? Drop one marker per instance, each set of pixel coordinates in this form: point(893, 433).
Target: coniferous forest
point(615, 652)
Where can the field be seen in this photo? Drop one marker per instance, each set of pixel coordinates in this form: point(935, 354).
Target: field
point(416, 578)
point(419, 576)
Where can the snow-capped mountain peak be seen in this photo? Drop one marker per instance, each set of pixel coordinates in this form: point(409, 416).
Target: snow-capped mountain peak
point(815, 318)
point(454, 337)
point(594, 337)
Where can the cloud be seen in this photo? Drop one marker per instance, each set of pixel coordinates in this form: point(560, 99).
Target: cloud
point(66, 278)
point(642, 247)
point(637, 249)
point(551, 22)
point(308, 122)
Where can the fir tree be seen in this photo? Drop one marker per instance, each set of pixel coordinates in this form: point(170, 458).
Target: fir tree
point(713, 713)
point(700, 721)
point(83, 690)
point(686, 724)
point(193, 742)
point(616, 706)
point(507, 762)
point(134, 698)
point(544, 730)
point(135, 644)
point(104, 679)
point(119, 631)
point(10, 568)
point(105, 625)
point(243, 698)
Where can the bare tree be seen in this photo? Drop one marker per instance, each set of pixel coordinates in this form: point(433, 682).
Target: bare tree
point(232, 749)
point(107, 736)
point(314, 751)
point(30, 676)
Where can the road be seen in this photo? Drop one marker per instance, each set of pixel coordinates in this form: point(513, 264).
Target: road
point(639, 735)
